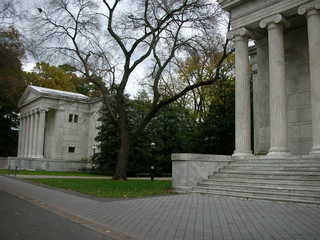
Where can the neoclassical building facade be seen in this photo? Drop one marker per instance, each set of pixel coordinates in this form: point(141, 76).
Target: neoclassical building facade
point(286, 86)
point(57, 130)
point(277, 70)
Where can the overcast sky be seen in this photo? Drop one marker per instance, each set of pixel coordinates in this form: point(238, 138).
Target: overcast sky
point(26, 8)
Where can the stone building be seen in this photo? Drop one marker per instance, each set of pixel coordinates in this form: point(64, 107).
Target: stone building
point(57, 129)
point(286, 89)
point(284, 162)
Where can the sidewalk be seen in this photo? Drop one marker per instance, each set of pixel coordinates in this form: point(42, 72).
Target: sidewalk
point(89, 177)
point(189, 216)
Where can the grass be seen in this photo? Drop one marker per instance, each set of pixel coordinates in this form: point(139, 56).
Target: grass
point(109, 188)
point(48, 173)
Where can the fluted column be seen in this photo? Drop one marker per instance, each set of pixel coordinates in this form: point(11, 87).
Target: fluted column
point(23, 136)
point(27, 136)
point(278, 94)
point(36, 134)
point(41, 128)
point(30, 136)
point(19, 136)
point(242, 88)
point(311, 10)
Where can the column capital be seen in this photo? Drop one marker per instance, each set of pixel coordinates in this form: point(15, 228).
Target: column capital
point(309, 8)
point(42, 109)
point(238, 33)
point(274, 19)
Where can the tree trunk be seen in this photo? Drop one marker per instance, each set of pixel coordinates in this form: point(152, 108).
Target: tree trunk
point(123, 154)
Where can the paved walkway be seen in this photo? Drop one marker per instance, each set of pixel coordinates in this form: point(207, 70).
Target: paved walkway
point(90, 177)
point(189, 216)
point(21, 220)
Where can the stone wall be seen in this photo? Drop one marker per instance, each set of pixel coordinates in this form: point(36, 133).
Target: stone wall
point(47, 164)
point(188, 169)
point(298, 94)
point(3, 162)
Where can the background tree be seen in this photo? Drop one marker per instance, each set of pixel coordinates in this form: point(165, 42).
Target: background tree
point(170, 131)
point(215, 134)
point(61, 77)
point(150, 32)
point(11, 88)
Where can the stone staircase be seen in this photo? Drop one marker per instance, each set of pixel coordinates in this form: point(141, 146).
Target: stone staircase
point(293, 180)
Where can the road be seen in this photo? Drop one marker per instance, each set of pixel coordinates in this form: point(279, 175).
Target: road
point(21, 220)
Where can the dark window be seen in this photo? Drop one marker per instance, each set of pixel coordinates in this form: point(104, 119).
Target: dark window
point(71, 149)
point(75, 119)
point(70, 117)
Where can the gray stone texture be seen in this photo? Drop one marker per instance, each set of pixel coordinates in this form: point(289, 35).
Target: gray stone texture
point(187, 216)
point(285, 88)
point(189, 169)
point(46, 132)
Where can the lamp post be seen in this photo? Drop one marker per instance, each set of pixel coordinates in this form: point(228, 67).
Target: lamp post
point(152, 168)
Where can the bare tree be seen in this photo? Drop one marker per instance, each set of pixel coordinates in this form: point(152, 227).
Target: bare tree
point(108, 40)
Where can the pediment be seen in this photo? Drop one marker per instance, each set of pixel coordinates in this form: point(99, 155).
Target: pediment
point(28, 96)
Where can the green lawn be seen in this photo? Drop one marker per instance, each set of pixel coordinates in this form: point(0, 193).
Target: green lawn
point(49, 173)
point(109, 188)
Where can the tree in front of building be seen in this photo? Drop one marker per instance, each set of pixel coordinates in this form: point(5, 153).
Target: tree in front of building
point(169, 132)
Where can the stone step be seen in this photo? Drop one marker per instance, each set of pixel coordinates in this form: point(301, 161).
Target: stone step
point(280, 161)
point(271, 187)
point(292, 165)
point(275, 168)
point(263, 182)
point(244, 175)
point(273, 173)
point(310, 196)
point(259, 196)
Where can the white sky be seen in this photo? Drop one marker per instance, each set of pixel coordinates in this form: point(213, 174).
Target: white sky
point(27, 7)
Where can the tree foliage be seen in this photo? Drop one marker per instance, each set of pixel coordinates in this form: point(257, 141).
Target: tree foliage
point(215, 134)
point(108, 44)
point(11, 88)
point(61, 77)
point(169, 132)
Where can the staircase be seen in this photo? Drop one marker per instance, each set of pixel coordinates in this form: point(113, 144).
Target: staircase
point(293, 180)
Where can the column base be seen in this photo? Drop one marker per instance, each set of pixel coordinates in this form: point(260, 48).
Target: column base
point(242, 155)
point(278, 153)
point(315, 151)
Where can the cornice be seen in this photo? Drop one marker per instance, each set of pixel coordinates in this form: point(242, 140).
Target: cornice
point(256, 16)
point(229, 4)
point(314, 5)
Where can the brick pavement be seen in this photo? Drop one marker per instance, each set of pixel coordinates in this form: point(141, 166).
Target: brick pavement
point(189, 216)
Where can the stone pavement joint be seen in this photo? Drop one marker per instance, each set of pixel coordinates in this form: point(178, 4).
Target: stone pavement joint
point(190, 216)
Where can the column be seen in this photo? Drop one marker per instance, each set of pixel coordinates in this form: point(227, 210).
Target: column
point(34, 134)
point(42, 119)
point(23, 133)
point(27, 135)
point(30, 145)
point(19, 136)
point(35, 137)
point(312, 13)
point(243, 106)
point(278, 94)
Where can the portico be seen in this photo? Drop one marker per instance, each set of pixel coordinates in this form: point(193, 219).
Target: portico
point(32, 125)
point(57, 129)
point(279, 61)
point(277, 112)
